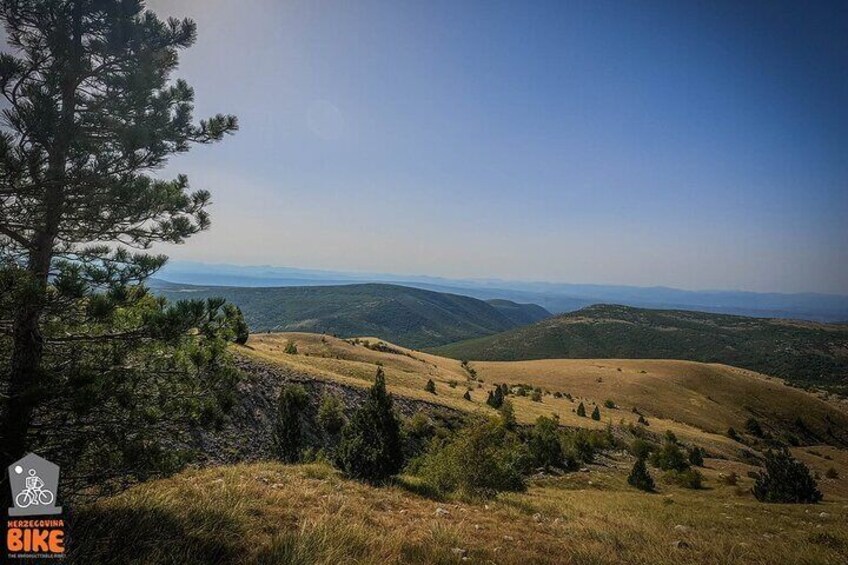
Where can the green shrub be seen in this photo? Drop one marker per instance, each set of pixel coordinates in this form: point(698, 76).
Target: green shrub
point(669, 457)
point(536, 396)
point(370, 448)
point(287, 424)
point(733, 434)
point(753, 427)
point(481, 460)
point(639, 476)
point(507, 413)
point(544, 444)
point(291, 348)
point(467, 395)
point(581, 410)
point(430, 386)
point(688, 478)
point(331, 415)
point(832, 473)
point(642, 448)
point(696, 456)
point(496, 398)
point(596, 414)
point(785, 480)
point(609, 404)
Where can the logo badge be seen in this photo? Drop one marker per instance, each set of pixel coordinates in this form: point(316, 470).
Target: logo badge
point(34, 482)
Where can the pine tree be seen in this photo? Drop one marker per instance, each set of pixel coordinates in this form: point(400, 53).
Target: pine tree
point(785, 480)
point(639, 476)
point(496, 398)
point(90, 111)
point(581, 410)
point(288, 439)
point(291, 348)
point(467, 395)
point(430, 386)
point(696, 457)
point(596, 414)
point(234, 315)
point(370, 448)
point(507, 413)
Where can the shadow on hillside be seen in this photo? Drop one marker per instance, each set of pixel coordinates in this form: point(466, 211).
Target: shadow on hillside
point(140, 535)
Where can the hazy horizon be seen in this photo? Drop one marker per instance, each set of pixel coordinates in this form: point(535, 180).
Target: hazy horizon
point(646, 144)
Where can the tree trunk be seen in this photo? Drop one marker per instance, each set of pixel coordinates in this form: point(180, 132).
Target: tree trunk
point(26, 383)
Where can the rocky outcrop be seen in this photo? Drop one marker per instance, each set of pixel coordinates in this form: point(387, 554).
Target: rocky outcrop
point(247, 432)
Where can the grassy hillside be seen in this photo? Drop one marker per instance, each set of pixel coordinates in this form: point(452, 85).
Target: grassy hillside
point(804, 353)
point(697, 402)
point(413, 317)
point(308, 514)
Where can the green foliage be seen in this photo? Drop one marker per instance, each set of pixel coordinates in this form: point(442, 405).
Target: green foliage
point(288, 440)
point(785, 480)
point(482, 460)
point(467, 395)
point(753, 427)
point(507, 413)
point(596, 414)
point(235, 320)
point(639, 476)
point(696, 456)
point(291, 348)
point(544, 443)
point(581, 410)
point(609, 404)
point(495, 398)
point(430, 386)
point(536, 396)
point(669, 457)
point(582, 444)
point(331, 415)
point(642, 448)
point(370, 448)
point(91, 116)
point(686, 478)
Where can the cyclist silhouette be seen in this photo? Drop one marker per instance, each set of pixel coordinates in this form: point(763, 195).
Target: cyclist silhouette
point(34, 493)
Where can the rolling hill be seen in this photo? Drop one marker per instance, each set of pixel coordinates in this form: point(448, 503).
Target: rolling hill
point(408, 316)
point(805, 353)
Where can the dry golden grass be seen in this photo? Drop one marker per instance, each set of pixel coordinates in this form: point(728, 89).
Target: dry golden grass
point(271, 513)
point(697, 401)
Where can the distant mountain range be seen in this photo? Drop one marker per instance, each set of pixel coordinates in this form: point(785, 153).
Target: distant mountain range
point(555, 297)
point(407, 316)
point(805, 353)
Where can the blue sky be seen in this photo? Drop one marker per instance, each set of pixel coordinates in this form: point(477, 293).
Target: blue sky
point(647, 143)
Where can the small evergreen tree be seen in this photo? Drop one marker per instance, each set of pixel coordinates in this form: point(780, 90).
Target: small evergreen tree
point(430, 386)
point(544, 444)
point(331, 415)
point(467, 395)
point(785, 480)
point(287, 426)
point(235, 320)
point(639, 476)
point(596, 414)
point(496, 398)
point(696, 456)
point(291, 348)
point(370, 448)
point(581, 410)
point(507, 415)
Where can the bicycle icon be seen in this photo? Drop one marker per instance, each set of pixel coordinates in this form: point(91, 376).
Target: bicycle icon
point(34, 494)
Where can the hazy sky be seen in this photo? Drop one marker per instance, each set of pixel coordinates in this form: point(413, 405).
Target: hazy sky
point(698, 146)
